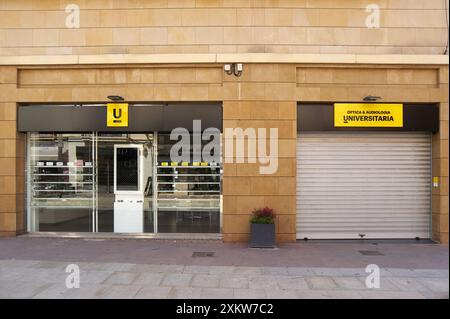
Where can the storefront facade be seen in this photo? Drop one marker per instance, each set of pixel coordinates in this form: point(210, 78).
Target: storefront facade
point(62, 169)
point(84, 174)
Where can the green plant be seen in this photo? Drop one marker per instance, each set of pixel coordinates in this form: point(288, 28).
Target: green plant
point(264, 215)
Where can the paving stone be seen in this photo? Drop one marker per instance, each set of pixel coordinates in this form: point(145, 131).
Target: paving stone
point(216, 293)
point(88, 266)
point(344, 294)
point(92, 291)
point(42, 275)
point(352, 272)
point(93, 276)
point(234, 282)
point(431, 273)
point(177, 280)
point(407, 283)
point(206, 281)
point(117, 292)
point(324, 283)
point(349, 283)
point(435, 284)
point(312, 294)
point(385, 284)
point(328, 272)
point(153, 293)
point(148, 268)
point(51, 265)
point(170, 268)
point(20, 290)
point(60, 291)
point(263, 282)
point(12, 274)
point(121, 278)
point(274, 271)
point(157, 268)
point(250, 271)
point(149, 279)
point(221, 270)
point(249, 294)
point(434, 294)
point(193, 269)
point(85, 291)
point(281, 294)
point(411, 273)
point(399, 272)
point(106, 266)
point(18, 263)
point(300, 271)
point(289, 282)
point(185, 293)
point(46, 279)
point(384, 272)
point(361, 272)
point(380, 294)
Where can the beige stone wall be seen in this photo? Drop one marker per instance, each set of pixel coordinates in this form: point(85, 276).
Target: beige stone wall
point(440, 165)
point(12, 158)
point(244, 189)
point(32, 27)
point(264, 96)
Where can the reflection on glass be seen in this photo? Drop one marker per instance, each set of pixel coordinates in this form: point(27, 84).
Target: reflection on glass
point(188, 193)
point(61, 182)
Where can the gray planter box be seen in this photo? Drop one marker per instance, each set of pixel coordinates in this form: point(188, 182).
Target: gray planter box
point(262, 235)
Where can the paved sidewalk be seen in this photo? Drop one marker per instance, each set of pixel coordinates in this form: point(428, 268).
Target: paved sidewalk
point(46, 279)
point(339, 254)
point(35, 268)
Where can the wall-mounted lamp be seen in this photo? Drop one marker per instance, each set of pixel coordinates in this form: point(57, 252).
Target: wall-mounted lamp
point(116, 98)
point(371, 98)
point(234, 68)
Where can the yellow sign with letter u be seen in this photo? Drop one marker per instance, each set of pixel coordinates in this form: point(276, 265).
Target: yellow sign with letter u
point(117, 115)
point(368, 115)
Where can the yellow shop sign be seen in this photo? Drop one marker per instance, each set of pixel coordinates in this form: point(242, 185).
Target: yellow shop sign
point(368, 115)
point(117, 115)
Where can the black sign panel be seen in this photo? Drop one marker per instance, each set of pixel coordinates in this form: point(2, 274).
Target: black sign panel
point(141, 118)
point(320, 117)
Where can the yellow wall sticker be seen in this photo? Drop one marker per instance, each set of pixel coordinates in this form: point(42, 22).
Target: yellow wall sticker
point(117, 115)
point(368, 115)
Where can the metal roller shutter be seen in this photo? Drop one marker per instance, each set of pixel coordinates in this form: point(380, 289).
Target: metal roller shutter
point(370, 183)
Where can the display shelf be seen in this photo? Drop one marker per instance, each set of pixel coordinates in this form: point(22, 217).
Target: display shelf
point(60, 166)
point(194, 182)
point(179, 166)
point(63, 190)
point(54, 185)
point(76, 182)
point(63, 198)
point(196, 209)
point(188, 188)
point(74, 174)
point(186, 191)
point(63, 207)
point(189, 175)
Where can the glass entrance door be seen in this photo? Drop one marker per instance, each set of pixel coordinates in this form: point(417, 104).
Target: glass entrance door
point(126, 177)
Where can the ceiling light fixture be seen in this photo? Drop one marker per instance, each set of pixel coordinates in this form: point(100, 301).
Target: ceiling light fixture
point(371, 98)
point(116, 98)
